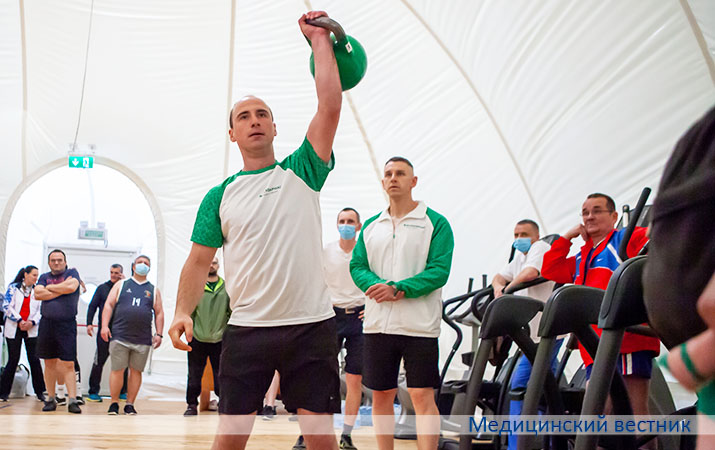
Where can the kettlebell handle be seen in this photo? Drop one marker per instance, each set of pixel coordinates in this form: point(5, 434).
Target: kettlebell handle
point(330, 24)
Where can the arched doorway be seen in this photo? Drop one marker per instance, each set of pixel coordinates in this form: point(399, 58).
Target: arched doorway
point(48, 209)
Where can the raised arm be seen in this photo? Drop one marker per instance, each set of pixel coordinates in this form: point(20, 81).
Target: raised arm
point(191, 288)
point(158, 319)
point(321, 131)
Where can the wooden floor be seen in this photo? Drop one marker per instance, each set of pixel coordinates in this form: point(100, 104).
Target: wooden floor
point(158, 425)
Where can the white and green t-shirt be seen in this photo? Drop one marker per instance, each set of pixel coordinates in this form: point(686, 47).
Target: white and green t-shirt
point(268, 222)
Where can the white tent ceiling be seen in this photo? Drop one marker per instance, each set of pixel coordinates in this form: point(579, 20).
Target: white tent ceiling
point(508, 109)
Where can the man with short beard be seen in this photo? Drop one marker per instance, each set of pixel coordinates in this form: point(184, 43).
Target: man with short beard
point(210, 319)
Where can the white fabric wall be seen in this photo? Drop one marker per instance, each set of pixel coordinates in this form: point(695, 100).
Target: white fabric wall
point(508, 109)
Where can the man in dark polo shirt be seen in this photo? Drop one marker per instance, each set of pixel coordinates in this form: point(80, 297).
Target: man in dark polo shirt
point(58, 290)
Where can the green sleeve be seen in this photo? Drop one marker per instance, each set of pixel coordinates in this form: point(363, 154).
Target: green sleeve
point(308, 166)
point(359, 265)
point(439, 261)
point(207, 228)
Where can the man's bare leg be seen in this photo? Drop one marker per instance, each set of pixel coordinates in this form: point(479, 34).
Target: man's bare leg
point(116, 380)
point(233, 431)
point(353, 397)
point(134, 382)
point(67, 375)
point(51, 377)
point(317, 430)
point(427, 417)
point(383, 414)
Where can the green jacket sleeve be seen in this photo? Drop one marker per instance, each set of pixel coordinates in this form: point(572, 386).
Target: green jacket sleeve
point(439, 261)
point(360, 267)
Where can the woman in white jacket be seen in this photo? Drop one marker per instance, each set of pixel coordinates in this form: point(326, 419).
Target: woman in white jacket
point(22, 315)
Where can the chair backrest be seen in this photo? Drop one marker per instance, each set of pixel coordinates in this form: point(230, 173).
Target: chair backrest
point(569, 309)
point(623, 304)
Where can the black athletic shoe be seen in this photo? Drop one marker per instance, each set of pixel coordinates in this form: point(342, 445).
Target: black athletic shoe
point(299, 444)
point(191, 411)
point(269, 412)
point(50, 405)
point(74, 408)
point(129, 410)
point(80, 400)
point(113, 409)
point(346, 442)
point(61, 401)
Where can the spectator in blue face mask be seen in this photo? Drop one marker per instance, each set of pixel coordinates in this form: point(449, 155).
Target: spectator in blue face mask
point(525, 266)
point(349, 306)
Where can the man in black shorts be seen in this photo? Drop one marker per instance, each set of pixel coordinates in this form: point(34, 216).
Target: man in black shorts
point(57, 337)
point(267, 219)
point(401, 261)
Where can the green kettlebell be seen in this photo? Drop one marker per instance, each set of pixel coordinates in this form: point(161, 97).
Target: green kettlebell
point(349, 53)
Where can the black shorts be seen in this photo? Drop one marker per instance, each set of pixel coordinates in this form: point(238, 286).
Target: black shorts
point(383, 353)
point(57, 339)
point(349, 327)
point(304, 355)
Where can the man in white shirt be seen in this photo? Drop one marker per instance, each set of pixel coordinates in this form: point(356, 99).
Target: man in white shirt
point(525, 266)
point(267, 219)
point(349, 305)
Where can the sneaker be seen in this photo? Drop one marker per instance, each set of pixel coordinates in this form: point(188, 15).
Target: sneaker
point(74, 408)
point(346, 442)
point(3, 399)
point(41, 398)
point(80, 400)
point(94, 398)
point(299, 444)
point(213, 405)
point(293, 418)
point(61, 401)
point(113, 409)
point(269, 412)
point(191, 411)
point(123, 397)
point(50, 405)
point(129, 410)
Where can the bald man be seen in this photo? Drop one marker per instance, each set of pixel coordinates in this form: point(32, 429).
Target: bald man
point(267, 219)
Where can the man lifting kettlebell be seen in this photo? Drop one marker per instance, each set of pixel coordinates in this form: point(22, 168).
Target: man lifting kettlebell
point(267, 218)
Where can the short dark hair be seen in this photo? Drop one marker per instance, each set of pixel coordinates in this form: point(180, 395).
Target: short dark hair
point(142, 256)
point(610, 204)
point(118, 266)
point(57, 250)
point(230, 113)
point(529, 222)
point(347, 208)
point(399, 159)
point(20, 277)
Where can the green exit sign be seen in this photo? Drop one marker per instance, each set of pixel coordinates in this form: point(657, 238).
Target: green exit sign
point(81, 162)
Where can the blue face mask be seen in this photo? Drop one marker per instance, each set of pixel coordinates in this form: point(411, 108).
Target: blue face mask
point(141, 269)
point(347, 232)
point(522, 244)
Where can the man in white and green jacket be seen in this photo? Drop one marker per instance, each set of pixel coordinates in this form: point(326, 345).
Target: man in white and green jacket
point(401, 261)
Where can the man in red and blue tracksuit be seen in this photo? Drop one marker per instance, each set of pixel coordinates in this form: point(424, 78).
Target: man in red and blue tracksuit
point(593, 266)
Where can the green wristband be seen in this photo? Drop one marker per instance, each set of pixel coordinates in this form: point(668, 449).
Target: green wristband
point(689, 364)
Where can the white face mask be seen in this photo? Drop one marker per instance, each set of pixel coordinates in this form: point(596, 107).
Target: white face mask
point(141, 269)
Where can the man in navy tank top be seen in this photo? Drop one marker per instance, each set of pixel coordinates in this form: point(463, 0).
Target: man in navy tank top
point(134, 302)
